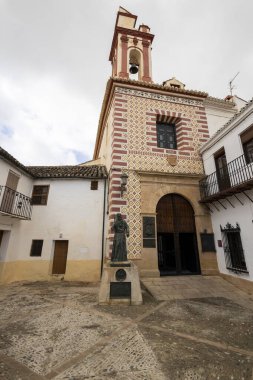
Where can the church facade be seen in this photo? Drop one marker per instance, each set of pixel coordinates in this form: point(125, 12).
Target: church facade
point(151, 134)
point(146, 166)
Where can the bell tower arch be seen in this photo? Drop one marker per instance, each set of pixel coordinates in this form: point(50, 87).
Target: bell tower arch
point(131, 48)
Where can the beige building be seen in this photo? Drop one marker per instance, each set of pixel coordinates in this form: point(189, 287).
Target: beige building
point(152, 133)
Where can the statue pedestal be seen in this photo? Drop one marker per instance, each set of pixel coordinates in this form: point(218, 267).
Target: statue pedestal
point(120, 284)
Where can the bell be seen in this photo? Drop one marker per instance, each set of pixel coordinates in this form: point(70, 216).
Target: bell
point(134, 69)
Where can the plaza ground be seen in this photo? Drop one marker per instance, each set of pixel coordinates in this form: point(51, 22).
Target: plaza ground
point(189, 327)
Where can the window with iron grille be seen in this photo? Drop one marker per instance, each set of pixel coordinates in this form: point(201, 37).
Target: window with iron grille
point(166, 136)
point(40, 194)
point(232, 245)
point(36, 248)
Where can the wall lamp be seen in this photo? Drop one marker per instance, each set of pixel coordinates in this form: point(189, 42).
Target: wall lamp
point(123, 178)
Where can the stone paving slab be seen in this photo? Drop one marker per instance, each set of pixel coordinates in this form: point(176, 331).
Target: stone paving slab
point(58, 331)
point(191, 360)
point(216, 319)
point(128, 353)
point(52, 336)
point(187, 287)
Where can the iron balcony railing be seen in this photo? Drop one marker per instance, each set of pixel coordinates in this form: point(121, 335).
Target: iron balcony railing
point(14, 203)
point(228, 179)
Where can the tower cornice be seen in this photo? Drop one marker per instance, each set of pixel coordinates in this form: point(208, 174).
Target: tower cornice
point(128, 32)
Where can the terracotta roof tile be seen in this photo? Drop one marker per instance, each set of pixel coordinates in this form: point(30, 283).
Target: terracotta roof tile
point(68, 171)
point(64, 171)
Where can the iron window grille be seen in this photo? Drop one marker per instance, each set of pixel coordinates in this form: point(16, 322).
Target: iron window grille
point(166, 136)
point(233, 250)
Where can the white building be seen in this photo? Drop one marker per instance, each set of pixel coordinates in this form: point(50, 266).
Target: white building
point(51, 221)
point(228, 192)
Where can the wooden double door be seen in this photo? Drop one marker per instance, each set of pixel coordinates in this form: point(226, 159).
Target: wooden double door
point(176, 237)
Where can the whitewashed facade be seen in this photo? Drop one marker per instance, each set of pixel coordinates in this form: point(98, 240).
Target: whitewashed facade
point(73, 213)
point(228, 192)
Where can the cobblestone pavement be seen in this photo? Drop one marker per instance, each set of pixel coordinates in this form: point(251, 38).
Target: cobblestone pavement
point(193, 328)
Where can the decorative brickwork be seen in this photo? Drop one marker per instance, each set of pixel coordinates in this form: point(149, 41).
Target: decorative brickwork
point(134, 148)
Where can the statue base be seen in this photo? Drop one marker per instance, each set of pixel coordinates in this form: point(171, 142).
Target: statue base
point(120, 284)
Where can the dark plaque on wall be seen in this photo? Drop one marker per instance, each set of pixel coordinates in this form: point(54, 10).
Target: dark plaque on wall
point(120, 290)
point(148, 227)
point(149, 243)
point(149, 232)
point(207, 242)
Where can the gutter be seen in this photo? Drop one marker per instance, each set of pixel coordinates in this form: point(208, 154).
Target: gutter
point(103, 231)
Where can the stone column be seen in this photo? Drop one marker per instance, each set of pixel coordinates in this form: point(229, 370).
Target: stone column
point(146, 69)
point(124, 68)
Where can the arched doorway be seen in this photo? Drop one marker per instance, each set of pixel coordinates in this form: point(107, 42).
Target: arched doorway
point(176, 236)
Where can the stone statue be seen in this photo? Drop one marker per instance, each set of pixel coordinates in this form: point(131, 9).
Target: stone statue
point(121, 230)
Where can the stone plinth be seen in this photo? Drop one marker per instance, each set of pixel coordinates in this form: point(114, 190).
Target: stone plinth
point(120, 284)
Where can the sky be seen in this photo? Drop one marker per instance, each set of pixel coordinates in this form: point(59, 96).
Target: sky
point(54, 65)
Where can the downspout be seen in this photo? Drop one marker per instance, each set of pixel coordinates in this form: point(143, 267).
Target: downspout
point(103, 231)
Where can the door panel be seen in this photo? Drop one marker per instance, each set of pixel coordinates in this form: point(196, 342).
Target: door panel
point(60, 256)
point(177, 243)
point(222, 171)
point(166, 253)
point(9, 192)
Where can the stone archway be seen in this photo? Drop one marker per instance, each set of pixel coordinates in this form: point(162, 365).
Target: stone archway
point(176, 236)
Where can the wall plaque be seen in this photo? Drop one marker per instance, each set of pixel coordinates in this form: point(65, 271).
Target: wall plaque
point(207, 242)
point(149, 238)
point(172, 160)
point(120, 290)
point(149, 243)
point(148, 227)
point(120, 275)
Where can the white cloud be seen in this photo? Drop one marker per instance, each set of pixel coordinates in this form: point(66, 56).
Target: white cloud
point(43, 123)
point(54, 64)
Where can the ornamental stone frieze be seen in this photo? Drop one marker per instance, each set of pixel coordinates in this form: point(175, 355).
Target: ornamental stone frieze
point(151, 95)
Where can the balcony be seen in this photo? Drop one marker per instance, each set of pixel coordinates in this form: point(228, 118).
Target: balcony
point(235, 177)
point(15, 204)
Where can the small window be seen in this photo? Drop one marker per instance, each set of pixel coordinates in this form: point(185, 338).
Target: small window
point(40, 195)
point(94, 185)
point(166, 136)
point(36, 248)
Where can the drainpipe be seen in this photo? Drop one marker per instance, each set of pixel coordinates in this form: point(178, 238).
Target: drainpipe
point(103, 230)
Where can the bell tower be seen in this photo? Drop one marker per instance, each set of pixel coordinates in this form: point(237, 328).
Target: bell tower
point(131, 48)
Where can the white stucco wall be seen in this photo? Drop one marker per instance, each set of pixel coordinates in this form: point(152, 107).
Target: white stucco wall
point(73, 212)
point(231, 143)
point(217, 117)
point(105, 151)
point(242, 214)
